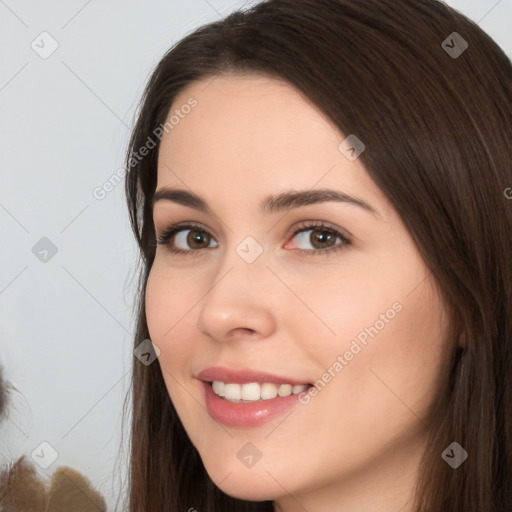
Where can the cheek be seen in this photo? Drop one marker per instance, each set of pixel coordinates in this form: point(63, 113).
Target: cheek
point(381, 394)
point(414, 352)
point(393, 360)
point(158, 306)
point(390, 330)
point(343, 312)
point(168, 314)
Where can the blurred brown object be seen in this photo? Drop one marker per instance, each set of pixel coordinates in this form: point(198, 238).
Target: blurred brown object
point(21, 490)
point(69, 490)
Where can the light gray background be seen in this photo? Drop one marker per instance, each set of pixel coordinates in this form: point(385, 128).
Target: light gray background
point(66, 323)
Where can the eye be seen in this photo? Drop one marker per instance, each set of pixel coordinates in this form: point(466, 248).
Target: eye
point(186, 235)
point(321, 236)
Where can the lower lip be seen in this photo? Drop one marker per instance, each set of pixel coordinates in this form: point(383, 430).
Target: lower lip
point(246, 414)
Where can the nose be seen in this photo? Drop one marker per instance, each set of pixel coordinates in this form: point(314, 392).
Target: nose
point(238, 303)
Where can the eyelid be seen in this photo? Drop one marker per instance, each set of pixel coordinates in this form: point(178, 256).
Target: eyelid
point(310, 224)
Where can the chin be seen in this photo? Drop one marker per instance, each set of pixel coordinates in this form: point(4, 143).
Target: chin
point(247, 491)
point(247, 484)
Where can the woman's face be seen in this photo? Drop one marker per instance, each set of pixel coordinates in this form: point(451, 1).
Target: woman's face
point(346, 304)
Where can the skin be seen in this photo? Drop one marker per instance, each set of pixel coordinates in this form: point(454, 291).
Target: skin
point(357, 444)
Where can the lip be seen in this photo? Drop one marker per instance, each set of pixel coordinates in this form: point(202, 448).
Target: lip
point(231, 375)
point(245, 414)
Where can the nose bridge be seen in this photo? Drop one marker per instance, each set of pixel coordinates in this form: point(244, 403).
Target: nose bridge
point(243, 264)
point(236, 298)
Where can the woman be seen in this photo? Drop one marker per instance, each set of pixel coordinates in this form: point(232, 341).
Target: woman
point(317, 189)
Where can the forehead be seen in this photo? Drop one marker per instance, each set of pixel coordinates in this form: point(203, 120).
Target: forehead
point(254, 133)
point(256, 114)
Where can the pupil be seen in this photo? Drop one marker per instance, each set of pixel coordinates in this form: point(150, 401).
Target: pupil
point(323, 237)
point(196, 237)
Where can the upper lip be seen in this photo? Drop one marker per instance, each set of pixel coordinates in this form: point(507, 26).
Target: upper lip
point(234, 376)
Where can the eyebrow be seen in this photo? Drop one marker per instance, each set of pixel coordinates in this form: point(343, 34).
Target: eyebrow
point(271, 204)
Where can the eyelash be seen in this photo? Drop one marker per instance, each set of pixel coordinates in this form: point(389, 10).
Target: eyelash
point(167, 235)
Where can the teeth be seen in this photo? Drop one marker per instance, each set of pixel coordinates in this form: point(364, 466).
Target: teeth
point(268, 391)
point(218, 387)
point(251, 391)
point(255, 391)
point(233, 391)
point(284, 390)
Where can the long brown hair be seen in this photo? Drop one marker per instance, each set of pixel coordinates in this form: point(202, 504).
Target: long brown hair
point(435, 116)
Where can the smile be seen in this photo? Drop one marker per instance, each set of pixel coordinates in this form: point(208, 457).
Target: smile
point(254, 391)
point(247, 398)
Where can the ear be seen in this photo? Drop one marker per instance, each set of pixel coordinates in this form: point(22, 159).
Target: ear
point(21, 490)
point(71, 491)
